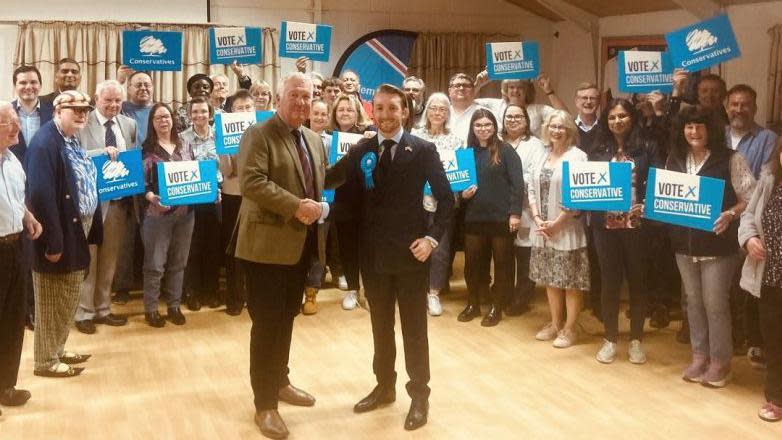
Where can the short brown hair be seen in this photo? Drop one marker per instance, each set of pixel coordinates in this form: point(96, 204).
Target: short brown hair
point(743, 88)
point(388, 89)
point(586, 85)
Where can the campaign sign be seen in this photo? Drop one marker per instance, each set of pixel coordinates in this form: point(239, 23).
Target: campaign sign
point(597, 186)
point(645, 71)
point(517, 60)
point(341, 142)
point(459, 166)
point(119, 178)
point(683, 199)
point(703, 44)
point(229, 128)
point(305, 39)
point(189, 182)
point(152, 50)
point(242, 44)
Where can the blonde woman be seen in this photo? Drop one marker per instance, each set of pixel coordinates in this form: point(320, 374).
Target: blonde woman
point(262, 95)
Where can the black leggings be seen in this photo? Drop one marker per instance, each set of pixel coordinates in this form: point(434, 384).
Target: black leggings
point(478, 253)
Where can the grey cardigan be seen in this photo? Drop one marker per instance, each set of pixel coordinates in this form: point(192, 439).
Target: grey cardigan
point(751, 226)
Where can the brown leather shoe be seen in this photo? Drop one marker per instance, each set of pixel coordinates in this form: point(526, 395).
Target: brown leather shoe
point(271, 424)
point(310, 306)
point(294, 396)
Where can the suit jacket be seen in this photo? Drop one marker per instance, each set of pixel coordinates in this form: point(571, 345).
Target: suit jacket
point(392, 214)
point(46, 112)
point(272, 183)
point(93, 138)
point(52, 197)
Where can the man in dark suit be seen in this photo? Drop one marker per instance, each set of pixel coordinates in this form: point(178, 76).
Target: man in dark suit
point(395, 244)
point(67, 77)
point(281, 170)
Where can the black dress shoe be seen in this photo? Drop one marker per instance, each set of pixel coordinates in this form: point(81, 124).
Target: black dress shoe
point(193, 303)
point(213, 302)
point(154, 319)
point(233, 310)
point(660, 317)
point(13, 397)
point(469, 312)
point(295, 396)
point(380, 395)
point(86, 326)
point(112, 320)
point(122, 297)
point(493, 317)
point(416, 417)
point(175, 316)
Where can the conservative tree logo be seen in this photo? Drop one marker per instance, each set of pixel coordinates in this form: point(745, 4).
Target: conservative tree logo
point(150, 46)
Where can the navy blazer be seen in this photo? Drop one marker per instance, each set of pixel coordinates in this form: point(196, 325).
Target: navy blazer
point(392, 214)
point(52, 197)
point(46, 112)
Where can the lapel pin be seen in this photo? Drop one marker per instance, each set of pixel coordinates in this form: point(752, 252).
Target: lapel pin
point(409, 148)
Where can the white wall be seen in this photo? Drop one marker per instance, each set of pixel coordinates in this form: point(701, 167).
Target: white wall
point(750, 24)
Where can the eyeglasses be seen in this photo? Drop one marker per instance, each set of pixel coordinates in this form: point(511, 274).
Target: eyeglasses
point(589, 98)
point(80, 110)
point(514, 117)
point(142, 85)
point(461, 86)
point(437, 109)
point(484, 126)
point(557, 128)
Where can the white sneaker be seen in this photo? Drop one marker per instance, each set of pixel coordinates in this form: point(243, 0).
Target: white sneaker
point(636, 352)
point(547, 333)
point(350, 301)
point(565, 338)
point(433, 304)
point(342, 283)
point(607, 352)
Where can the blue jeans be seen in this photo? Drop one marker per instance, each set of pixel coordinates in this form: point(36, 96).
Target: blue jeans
point(166, 248)
point(439, 270)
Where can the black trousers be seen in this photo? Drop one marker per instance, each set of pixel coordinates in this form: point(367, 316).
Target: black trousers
point(752, 321)
point(771, 326)
point(274, 295)
point(347, 238)
point(235, 295)
point(662, 275)
point(206, 253)
point(479, 251)
point(12, 310)
point(525, 287)
point(595, 290)
point(409, 290)
point(621, 254)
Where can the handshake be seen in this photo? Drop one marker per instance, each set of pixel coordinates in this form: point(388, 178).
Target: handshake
point(309, 211)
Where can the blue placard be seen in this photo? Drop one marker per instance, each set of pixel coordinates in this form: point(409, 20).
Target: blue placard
point(683, 199)
point(459, 166)
point(703, 44)
point(305, 39)
point(645, 71)
point(189, 182)
point(242, 44)
point(229, 128)
point(119, 178)
point(152, 50)
point(515, 60)
point(340, 143)
point(597, 186)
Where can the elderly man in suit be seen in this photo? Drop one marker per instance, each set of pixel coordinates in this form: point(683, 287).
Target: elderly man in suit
point(281, 172)
point(107, 132)
point(395, 244)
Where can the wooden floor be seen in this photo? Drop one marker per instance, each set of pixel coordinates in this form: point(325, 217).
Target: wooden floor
point(192, 382)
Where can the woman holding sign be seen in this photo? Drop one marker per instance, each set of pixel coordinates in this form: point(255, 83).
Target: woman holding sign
point(708, 260)
point(559, 258)
point(166, 231)
point(491, 219)
point(760, 234)
point(435, 129)
point(619, 240)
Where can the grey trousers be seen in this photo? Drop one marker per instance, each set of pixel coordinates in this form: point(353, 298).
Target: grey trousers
point(166, 248)
point(56, 296)
point(707, 285)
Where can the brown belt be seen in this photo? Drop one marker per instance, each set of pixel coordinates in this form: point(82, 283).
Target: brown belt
point(11, 238)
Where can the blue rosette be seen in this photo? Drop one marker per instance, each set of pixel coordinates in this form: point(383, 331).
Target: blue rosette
point(368, 163)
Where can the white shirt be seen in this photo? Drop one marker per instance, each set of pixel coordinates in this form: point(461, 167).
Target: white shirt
point(735, 139)
point(460, 123)
point(12, 181)
point(583, 126)
point(115, 128)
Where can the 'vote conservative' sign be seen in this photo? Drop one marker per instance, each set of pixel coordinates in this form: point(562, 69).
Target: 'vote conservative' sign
point(152, 50)
point(459, 166)
point(597, 186)
point(645, 71)
point(242, 44)
point(341, 143)
point(514, 60)
point(189, 182)
point(119, 178)
point(683, 199)
point(703, 44)
point(229, 128)
point(305, 39)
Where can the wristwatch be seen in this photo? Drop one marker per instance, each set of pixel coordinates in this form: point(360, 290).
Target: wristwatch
point(431, 241)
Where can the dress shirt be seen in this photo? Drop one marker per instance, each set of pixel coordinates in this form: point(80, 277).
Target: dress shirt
point(30, 122)
point(12, 181)
point(121, 146)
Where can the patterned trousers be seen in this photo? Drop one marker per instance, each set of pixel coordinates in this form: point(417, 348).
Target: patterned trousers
point(56, 298)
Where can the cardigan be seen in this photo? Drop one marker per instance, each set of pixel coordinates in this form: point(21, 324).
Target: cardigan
point(752, 226)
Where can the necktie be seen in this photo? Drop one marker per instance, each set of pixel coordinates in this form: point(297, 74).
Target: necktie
point(384, 162)
point(111, 140)
point(306, 166)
